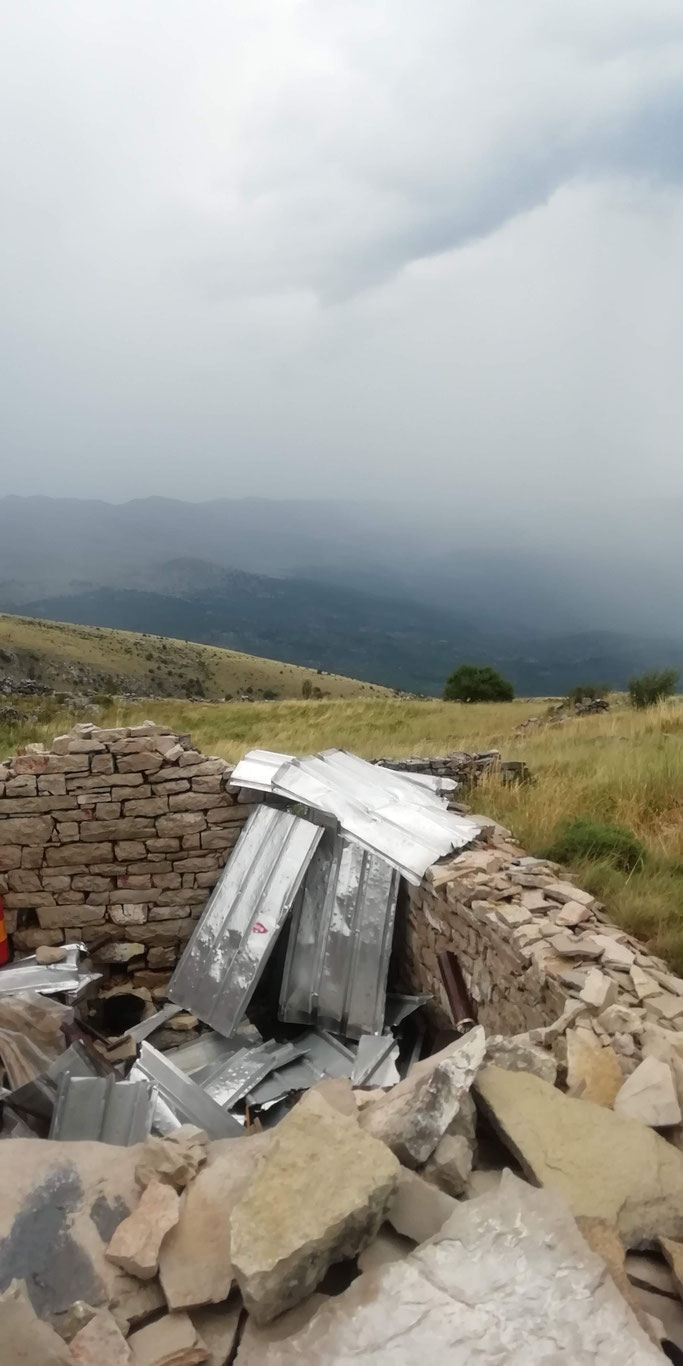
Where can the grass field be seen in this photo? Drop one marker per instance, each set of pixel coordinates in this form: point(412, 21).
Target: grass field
point(623, 767)
point(94, 658)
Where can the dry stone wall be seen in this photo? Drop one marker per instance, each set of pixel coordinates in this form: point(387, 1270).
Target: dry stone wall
point(115, 837)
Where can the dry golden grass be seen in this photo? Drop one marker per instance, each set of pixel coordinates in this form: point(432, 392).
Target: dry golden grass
point(623, 767)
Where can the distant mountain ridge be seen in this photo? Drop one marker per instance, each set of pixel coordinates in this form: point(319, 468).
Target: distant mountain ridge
point(379, 592)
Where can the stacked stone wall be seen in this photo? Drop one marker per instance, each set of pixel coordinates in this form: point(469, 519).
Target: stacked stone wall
point(114, 837)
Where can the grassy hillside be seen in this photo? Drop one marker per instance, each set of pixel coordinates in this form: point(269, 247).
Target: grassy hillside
point(92, 658)
point(622, 767)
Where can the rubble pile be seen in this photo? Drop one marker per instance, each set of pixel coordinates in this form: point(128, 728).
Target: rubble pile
point(465, 769)
point(326, 1168)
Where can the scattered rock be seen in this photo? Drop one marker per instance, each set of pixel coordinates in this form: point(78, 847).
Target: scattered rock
point(47, 953)
point(257, 1342)
point(593, 1072)
point(137, 1241)
point(572, 913)
point(195, 1265)
point(418, 1209)
point(413, 1116)
point(450, 1165)
point(599, 991)
point(649, 1095)
point(605, 1166)
point(320, 1194)
point(674, 1255)
point(100, 1343)
point(217, 1328)
point(603, 1238)
point(386, 1248)
point(24, 1338)
point(175, 1159)
point(171, 1341)
point(517, 1054)
point(76, 1317)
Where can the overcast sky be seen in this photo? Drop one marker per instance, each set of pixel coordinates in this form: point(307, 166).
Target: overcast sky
point(341, 247)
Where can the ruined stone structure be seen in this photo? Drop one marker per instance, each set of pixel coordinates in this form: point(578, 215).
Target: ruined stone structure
point(115, 837)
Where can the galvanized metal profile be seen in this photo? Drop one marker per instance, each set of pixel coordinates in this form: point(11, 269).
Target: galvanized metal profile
point(233, 940)
point(376, 1061)
point(233, 1080)
point(340, 941)
point(142, 1031)
point(201, 1057)
point(323, 1057)
point(102, 1110)
point(386, 812)
point(257, 769)
point(49, 979)
point(179, 1099)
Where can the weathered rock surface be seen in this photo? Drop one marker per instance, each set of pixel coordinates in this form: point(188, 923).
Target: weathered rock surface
point(175, 1159)
point(137, 1240)
point(217, 1328)
point(257, 1340)
point(413, 1116)
point(605, 1166)
point(450, 1164)
point(195, 1265)
point(418, 1209)
point(593, 1072)
point(518, 1055)
point(319, 1194)
point(603, 1238)
point(100, 1343)
point(649, 1095)
point(508, 1279)
point(50, 954)
point(24, 1338)
point(171, 1341)
point(673, 1252)
point(386, 1248)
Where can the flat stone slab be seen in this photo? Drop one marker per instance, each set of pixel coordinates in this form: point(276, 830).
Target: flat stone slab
point(137, 1240)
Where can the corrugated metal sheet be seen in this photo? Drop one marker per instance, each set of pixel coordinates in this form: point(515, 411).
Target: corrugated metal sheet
point(340, 941)
point(179, 1099)
point(102, 1110)
point(234, 938)
point(405, 822)
point(65, 978)
point(376, 1059)
point(232, 1080)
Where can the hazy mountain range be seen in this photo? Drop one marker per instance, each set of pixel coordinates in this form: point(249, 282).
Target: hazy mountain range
point(391, 594)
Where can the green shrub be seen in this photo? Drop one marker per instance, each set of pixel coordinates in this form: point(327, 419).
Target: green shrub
point(650, 688)
point(587, 839)
point(477, 683)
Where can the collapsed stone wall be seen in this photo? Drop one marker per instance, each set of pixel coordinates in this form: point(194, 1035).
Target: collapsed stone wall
point(533, 948)
point(114, 837)
point(464, 768)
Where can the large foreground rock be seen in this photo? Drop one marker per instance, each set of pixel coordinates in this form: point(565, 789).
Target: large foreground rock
point(23, 1337)
point(319, 1194)
point(413, 1116)
point(195, 1264)
point(508, 1279)
point(606, 1167)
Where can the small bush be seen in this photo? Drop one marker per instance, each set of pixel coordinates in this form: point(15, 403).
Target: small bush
point(586, 839)
point(476, 683)
point(306, 689)
point(650, 688)
point(587, 692)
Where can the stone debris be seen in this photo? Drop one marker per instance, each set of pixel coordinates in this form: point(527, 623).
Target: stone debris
point(175, 1159)
point(413, 1116)
point(323, 1189)
point(100, 1343)
point(258, 1341)
point(673, 1252)
point(418, 1209)
point(501, 1281)
point(217, 1328)
point(603, 1238)
point(137, 1241)
point(593, 1071)
point(450, 1165)
point(170, 1341)
point(25, 1338)
point(518, 1055)
point(649, 1095)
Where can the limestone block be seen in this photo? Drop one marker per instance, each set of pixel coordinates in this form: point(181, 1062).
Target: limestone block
point(26, 830)
point(195, 1265)
point(413, 1116)
point(137, 1240)
point(147, 806)
point(180, 823)
point(320, 1194)
point(79, 854)
point(605, 1166)
point(593, 1072)
point(599, 991)
point(174, 1160)
point(649, 1095)
point(118, 953)
point(128, 914)
point(56, 917)
point(139, 763)
point(100, 1343)
point(171, 1341)
point(131, 828)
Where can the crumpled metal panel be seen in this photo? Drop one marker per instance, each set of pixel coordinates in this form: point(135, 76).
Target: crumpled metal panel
point(508, 1280)
point(149, 1026)
point(52, 978)
point(102, 1110)
point(233, 1080)
point(38, 1097)
point(180, 1100)
point(323, 1056)
point(376, 1060)
point(200, 1057)
point(405, 822)
point(232, 942)
point(340, 941)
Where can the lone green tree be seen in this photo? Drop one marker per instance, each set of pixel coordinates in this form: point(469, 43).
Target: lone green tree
point(477, 683)
point(650, 688)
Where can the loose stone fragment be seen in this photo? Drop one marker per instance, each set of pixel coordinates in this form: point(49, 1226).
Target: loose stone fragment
point(320, 1194)
point(137, 1240)
point(171, 1341)
point(217, 1328)
point(257, 1341)
point(593, 1072)
point(649, 1095)
point(418, 1209)
point(600, 991)
point(603, 1238)
point(100, 1343)
point(24, 1337)
point(46, 953)
point(604, 1165)
point(517, 1054)
point(175, 1159)
point(450, 1164)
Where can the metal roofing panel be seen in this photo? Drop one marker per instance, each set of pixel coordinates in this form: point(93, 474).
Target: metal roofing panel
point(180, 1100)
point(232, 1080)
point(50, 978)
point(102, 1110)
point(340, 941)
point(387, 812)
point(233, 940)
point(257, 769)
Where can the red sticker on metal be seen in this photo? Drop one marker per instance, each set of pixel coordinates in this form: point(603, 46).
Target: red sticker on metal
point(259, 928)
